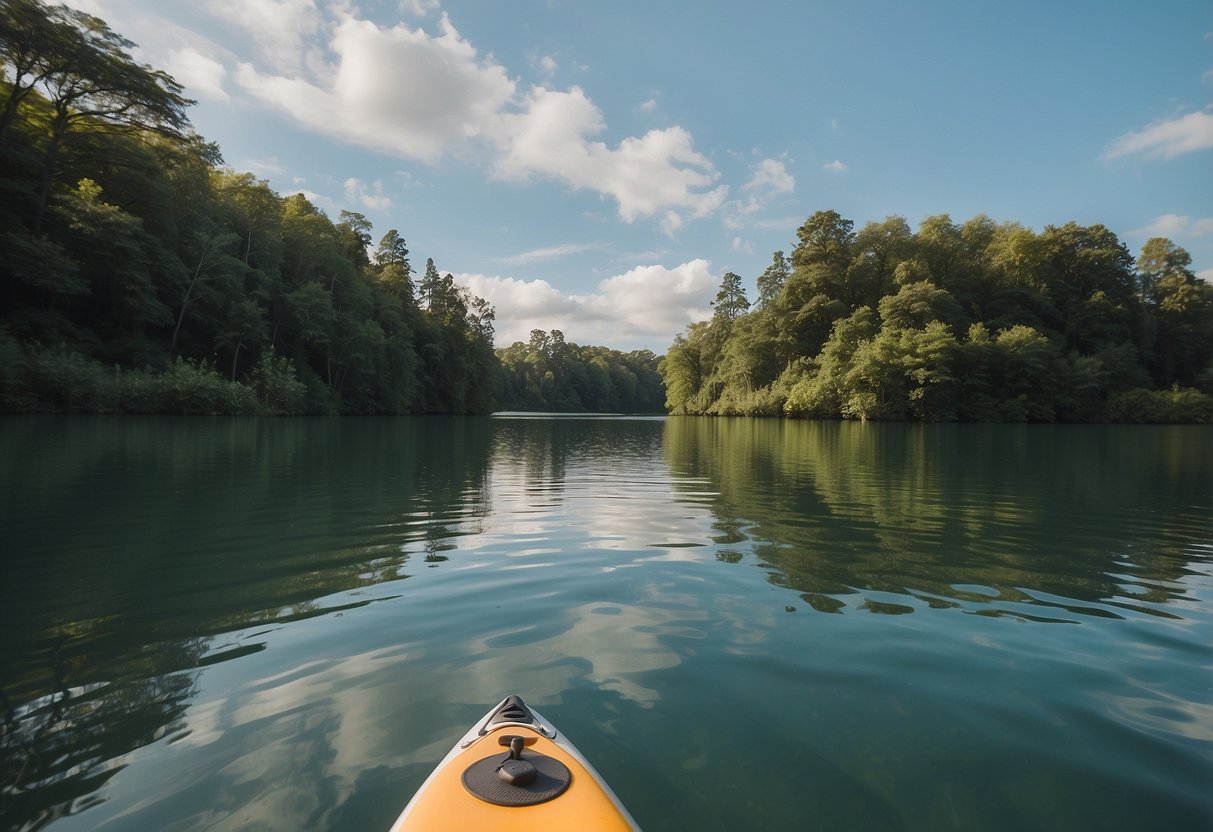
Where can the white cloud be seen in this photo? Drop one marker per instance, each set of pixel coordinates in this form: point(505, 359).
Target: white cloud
point(768, 180)
point(649, 106)
point(1166, 225)
point(646, 306)
point(659, 172)
point(1166, 139)
point(553, 253)
point(373, 198)
point(1206, 275)
point(1175, 225)
point(408, 93)
point(264, 168)
point(398, 90)
point(200, 75)
point(418, 8)
point(284, 28)
point(192, 58)
point(742, 246)
point(548, 64)
point(836, 166)
point(671, 222)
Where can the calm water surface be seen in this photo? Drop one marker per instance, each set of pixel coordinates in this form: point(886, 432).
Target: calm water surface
point(283, 624)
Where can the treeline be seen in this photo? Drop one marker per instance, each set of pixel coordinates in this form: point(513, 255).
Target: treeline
point(550, 374)
point(140, 274)
point(981, 321)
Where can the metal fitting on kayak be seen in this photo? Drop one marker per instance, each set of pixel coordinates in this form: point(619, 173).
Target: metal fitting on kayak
point(514, 770)
point(512, 779)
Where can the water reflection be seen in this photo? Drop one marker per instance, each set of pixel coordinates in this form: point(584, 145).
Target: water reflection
point(231, 624)
point(59, 748)
point(132, 546)
point(998, 519)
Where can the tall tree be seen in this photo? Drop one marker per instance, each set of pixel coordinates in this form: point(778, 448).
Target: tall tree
point(392, 251)
point(105, 87)
point(256, 215)
point(430, 283)
point(392, 262)
point(825, 239)
point(36, 41)
point(354, 236)
point(730, 302)
point(1160, 258)
point(771, 281)
point(879, 248)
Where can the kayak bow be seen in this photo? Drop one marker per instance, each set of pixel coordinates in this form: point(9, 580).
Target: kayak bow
point(512, 770)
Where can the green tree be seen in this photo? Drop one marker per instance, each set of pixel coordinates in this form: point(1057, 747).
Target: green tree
point(879, 248)
point(826, 239)
point(354, 237)
point(730, 302)
point(392, 251)
point(102, 85)
point(683, 371)
point(815, 294)
point(821, 389)
point(211, 262)
point(431, 284)
point(243, 327)
point(1078, 262)
point(443, 300)
point(1025, 370)
point(36, 42)
point(1160, 258)
point(254, 213)
point(770, 282)
point(917, 304)
point(392, 262)
point(118, 262)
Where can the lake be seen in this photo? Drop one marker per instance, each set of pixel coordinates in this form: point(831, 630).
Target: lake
point(745, 624)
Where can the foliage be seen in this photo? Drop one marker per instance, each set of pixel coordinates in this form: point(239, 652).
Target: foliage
point(278, 389)
point(973, 322)
point(550, 374)
point(58, 379)
point(148, 265)
point(1175, 406)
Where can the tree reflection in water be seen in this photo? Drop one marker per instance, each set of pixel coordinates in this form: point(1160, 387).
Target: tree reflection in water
point(1076, 519)
point(136, 547)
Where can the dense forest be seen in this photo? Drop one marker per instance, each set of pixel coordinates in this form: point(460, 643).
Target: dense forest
point(981, 321)
point(138, 273)
point(142, 275)
point(550, 374)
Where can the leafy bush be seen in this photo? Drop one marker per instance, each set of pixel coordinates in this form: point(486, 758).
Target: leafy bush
point(278, 389)
point(15, 396)
point(1175, 406)
point(62, 380)
point(58, 380)
point(190, 387)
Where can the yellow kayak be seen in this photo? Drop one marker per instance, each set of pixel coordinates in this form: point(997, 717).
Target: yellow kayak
point(512, 770)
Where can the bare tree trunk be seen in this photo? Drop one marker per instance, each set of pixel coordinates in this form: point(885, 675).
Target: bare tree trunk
point(185, 302)
point(180, 317)
point(48, 178)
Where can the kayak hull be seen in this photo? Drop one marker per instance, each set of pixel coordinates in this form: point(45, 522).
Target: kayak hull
point(444, 802)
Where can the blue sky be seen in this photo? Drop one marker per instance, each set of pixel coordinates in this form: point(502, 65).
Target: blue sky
point(597, 166)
